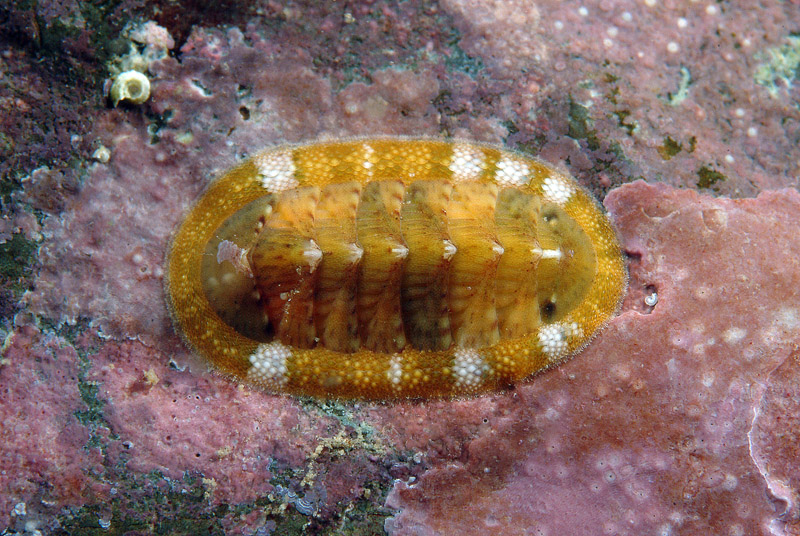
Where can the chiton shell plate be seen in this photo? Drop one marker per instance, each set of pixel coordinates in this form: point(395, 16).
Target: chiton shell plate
point(392, 268)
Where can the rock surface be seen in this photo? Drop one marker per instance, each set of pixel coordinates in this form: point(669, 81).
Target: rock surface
point(680, 418)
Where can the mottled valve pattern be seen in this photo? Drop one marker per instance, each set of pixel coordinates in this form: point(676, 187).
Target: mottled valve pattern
point(391, 268)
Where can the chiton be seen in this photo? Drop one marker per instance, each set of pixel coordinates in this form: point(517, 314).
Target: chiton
point(391, 268)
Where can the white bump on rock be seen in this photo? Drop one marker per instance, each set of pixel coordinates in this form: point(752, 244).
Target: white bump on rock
point(102, 154)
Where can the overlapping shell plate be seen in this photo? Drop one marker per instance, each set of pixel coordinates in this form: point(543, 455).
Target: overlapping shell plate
point(390, 268)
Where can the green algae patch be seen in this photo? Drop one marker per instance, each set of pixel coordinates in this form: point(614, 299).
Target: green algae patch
point(780, 66)
point(581, 126)
point(708, 177)
point(622, 118)
point(459, 61)
point(152, 504)
point(17, 256)
point(366, 515)
point(669, 148)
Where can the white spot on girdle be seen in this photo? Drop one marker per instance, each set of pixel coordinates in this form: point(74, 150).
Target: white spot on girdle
point(469, 368)
point(557, 190)
point(466, 163)
point(368, 156)
point(512, 172)
point(395, 372)
point(269, 364)
point(554, 338)
point(276, 170)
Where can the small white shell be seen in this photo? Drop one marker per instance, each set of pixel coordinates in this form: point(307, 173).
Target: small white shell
point(102, 154)
point(131, 86)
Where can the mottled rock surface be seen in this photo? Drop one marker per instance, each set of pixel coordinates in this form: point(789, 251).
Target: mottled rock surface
point(681, 417)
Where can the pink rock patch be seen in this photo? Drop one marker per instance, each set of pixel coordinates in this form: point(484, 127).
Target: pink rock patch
point(42, 440)
point(176, 422)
